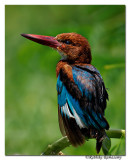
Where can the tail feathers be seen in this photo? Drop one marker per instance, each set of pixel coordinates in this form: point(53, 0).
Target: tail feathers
point(69, 127)
point(98, 145)
point(76, 135)
point(100, 137)
point(73, 132)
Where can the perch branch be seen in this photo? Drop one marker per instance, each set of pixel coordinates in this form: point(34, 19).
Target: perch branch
point(62, 143)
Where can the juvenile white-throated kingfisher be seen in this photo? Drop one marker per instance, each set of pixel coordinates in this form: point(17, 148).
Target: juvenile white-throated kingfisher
point(81, 91)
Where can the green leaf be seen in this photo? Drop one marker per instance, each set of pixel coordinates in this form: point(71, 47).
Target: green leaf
point(106, 145)
point(111, 152)
point(121, 147)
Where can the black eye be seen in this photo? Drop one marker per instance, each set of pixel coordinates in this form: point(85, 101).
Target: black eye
point(67, 42)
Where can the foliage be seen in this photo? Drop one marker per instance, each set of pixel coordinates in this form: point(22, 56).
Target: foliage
point(30, 91)
point(56, 147)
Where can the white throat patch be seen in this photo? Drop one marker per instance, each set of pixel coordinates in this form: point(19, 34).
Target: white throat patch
point(63, 56)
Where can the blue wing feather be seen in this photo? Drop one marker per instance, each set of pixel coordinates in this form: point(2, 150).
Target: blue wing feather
point(87, 109)
point(65, 97)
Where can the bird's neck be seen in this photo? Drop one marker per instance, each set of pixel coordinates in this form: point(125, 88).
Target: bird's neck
point(60, 65)
point(65, 64)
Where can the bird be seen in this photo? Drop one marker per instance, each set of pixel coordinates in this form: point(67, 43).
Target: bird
point(82, 95)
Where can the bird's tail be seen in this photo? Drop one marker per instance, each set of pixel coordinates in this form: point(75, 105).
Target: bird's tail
point(99, 135)
point(99, 143)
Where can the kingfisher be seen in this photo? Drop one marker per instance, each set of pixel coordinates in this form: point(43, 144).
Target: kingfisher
point(82, 96)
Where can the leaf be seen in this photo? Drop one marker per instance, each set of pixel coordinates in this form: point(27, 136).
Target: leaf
point(118, 149)
point(120, 146)
point(113, 149)
point(106, 145)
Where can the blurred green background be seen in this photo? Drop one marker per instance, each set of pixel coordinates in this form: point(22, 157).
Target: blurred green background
point(31, 98)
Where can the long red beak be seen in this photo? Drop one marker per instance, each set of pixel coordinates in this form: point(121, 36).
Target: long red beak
point(44, 40)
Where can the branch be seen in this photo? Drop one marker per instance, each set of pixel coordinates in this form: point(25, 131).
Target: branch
point(57, 146)
point(62, 143)
point(116, 133)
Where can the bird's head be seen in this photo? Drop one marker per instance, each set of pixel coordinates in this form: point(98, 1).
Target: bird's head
point(73, 47)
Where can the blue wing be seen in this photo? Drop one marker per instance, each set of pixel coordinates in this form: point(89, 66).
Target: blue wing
point(82, 101)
